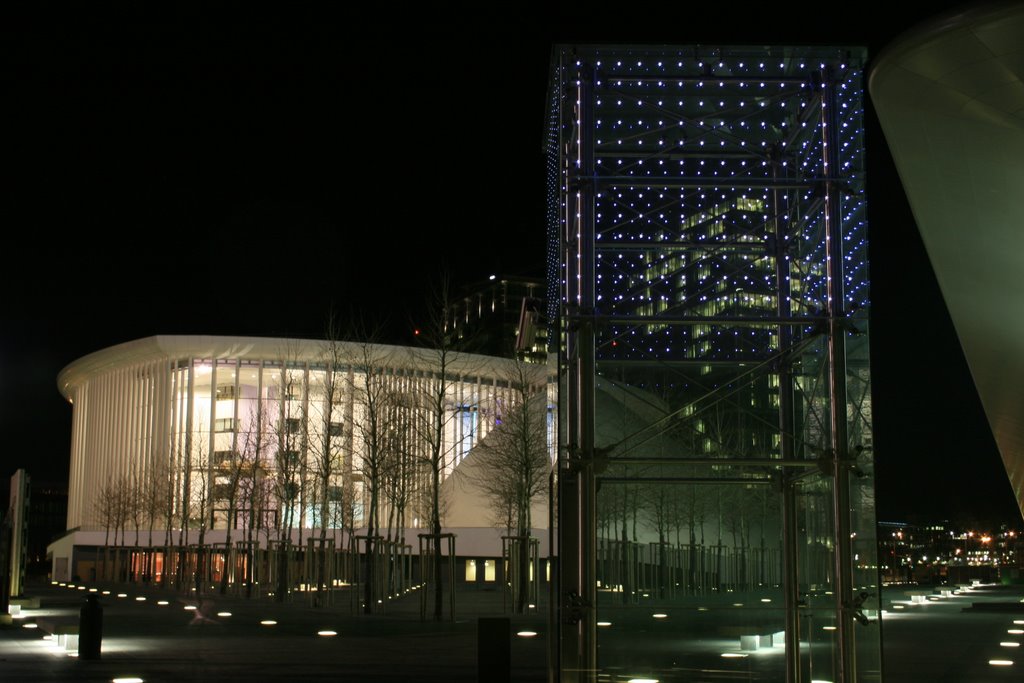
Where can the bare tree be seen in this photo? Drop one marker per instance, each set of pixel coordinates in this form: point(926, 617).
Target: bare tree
point(238, 478)
point(287, 484)
point(199, 503)
point(435, 414)
point(513, 463)
point(105, 511)
point(372, 394)
point(326, 432)
point(658, 502)
point(153, 503)
point(400, 477)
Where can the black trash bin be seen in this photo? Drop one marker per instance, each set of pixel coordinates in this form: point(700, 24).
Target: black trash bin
point(90, 629)
point(494, 650)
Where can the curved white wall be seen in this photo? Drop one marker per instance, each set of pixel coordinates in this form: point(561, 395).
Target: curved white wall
point(950, 98)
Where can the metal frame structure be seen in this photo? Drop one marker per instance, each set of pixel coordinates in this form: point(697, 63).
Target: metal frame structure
point(708, 229)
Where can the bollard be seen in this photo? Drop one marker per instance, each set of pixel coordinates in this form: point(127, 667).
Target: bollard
point(494, 650)
point(90, 629)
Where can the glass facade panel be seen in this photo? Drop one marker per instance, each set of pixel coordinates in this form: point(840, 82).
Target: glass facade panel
point(716, 491)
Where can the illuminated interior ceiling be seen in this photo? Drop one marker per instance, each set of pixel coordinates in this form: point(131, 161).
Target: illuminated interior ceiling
point(950, 98)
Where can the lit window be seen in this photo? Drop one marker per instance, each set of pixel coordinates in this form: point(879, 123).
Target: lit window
point(470, 570)
point(488, 570)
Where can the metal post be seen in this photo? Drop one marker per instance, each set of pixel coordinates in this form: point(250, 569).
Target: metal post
point(846, 661)
point(578, 509)
point(790, 549)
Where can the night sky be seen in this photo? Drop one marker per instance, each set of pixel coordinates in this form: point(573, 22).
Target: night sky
point(242, 174)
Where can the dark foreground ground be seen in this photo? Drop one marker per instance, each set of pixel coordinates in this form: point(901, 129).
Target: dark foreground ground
point(951, 639)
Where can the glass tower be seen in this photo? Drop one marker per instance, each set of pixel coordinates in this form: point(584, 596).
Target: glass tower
point(708, 242)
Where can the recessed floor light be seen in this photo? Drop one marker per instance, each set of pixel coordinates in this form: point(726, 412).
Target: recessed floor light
point(660, 615)
point(733, 655)
point(190, 608)
point(30, 626)
point(604, 623)
point(140, 599)
point(526, 634)
point(327, 633)
point(1009, 643)
point(162, 602)
point(1000, 662)
point(268, 622)
point(223, 614)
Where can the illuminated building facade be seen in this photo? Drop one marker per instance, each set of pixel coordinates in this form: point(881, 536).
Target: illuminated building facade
point(708, 239)
point(203, 433)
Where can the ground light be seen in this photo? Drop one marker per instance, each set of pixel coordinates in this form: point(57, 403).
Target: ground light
point(128, 679)
point(526, 634)
point(162, 602)
point(327, 634)
point(642, 680)
point(223, 614)
point(660, 615)
point(190, 608)
point(1000, 662)
point(30, 626)
point(140, 599)
point(268, 622)
point(733, 655)
point(1009, 643)
point(604, 623)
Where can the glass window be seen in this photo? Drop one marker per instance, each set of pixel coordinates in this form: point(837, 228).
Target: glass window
point(470, 570)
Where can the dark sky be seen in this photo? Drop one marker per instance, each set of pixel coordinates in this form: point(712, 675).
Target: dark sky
point(240, 173)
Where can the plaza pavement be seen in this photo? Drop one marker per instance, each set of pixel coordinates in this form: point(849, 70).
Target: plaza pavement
point(949, 639)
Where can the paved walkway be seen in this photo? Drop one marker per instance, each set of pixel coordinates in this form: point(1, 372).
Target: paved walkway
point(224, 640)
point(942, 640)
